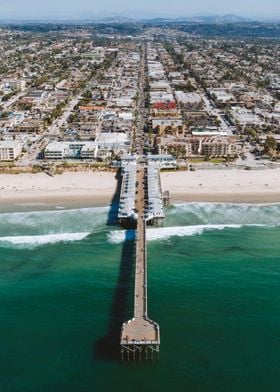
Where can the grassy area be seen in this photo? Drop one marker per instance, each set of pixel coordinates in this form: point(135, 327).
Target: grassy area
point(217, 160)
point(84, 165)
point(6, 165)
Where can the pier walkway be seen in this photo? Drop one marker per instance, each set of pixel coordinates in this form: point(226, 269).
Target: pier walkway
point(140, 337)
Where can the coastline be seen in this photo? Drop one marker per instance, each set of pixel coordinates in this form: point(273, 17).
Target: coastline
point(91, 189)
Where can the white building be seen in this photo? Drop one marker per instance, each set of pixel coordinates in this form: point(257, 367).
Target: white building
point(112, 141)
point(71, 150)
point(10, 150)
point(163, 161)
point(188, 98)
point(221, 95)
point(17, 84)
point(245, 117)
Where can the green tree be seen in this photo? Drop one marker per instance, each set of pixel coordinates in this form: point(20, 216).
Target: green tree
point(87, 94)
point(270, 145)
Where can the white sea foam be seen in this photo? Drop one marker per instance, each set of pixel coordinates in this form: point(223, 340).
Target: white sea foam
point(223, 213)
point(43, 239)
point(58, 221)
point(154, 234)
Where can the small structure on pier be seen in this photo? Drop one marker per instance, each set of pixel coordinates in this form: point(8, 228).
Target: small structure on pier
point(154, 211)
point(127, 214)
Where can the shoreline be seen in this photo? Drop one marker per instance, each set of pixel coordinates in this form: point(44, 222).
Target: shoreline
point(36, 205)
point(52, 203)
point(92, 189)
point(56, 204)
point(242, 198)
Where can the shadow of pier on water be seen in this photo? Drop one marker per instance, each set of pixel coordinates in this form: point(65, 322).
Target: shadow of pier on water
point(114, 205)
point(108, 347)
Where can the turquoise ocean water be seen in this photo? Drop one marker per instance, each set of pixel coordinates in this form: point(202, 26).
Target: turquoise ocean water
point(66, 285)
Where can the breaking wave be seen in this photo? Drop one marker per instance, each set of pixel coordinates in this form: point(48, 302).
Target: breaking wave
point(49, 222)
point(222, 213)
point(32, 241)
point(182, 219)
point(118, 236)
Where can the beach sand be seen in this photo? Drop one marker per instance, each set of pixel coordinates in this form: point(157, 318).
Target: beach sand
point(229, 186)
point(72, 190)
point(94, 188)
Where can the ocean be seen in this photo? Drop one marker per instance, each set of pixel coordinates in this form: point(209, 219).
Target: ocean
point(66, 286)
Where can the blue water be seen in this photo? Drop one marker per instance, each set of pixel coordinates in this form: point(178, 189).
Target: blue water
point(214, 288)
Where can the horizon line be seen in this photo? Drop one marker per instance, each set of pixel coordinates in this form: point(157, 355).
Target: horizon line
point(135, 19)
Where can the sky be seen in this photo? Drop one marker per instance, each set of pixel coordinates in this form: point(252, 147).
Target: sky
point(86, 9)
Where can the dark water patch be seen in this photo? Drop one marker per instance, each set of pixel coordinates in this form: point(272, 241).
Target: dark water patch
point(114, 205)
point(108, 347)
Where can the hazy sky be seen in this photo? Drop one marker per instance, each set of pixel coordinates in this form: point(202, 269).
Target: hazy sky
point(63, 9)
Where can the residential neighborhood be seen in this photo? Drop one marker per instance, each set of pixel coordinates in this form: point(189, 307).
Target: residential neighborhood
point(74, 97)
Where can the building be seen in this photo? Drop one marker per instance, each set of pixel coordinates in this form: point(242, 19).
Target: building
point(109, 142)
point(71, 150)
point(17, 84)
point(163, 161)
point(10, 150)
point(207, 132)
point(188, 99)
point(218, 147)
point(221, 95)
point(167, 126)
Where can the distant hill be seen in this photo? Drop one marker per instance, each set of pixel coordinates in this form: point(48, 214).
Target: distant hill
point(207, 19)
point(127, 19)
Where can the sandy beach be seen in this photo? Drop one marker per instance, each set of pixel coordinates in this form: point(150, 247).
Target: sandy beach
point(91, 188)
point(69, 189)
point(230, 186)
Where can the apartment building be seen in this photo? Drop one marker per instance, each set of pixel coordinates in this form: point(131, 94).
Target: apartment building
point(10, 150)
point(71, 150)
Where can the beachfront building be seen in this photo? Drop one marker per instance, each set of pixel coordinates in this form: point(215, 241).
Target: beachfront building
point(208, 146)
point(218, 147)
point(155, 205)
point(127, 211)
point(127, 159)
point(117, 143)
point(71, 150)
point(163, 161)
point(105, 145)
point(10, 150)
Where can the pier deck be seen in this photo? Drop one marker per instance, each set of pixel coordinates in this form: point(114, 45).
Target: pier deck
point(140, 334)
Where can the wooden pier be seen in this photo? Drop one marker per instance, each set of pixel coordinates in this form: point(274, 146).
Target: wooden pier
point(140, 337)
